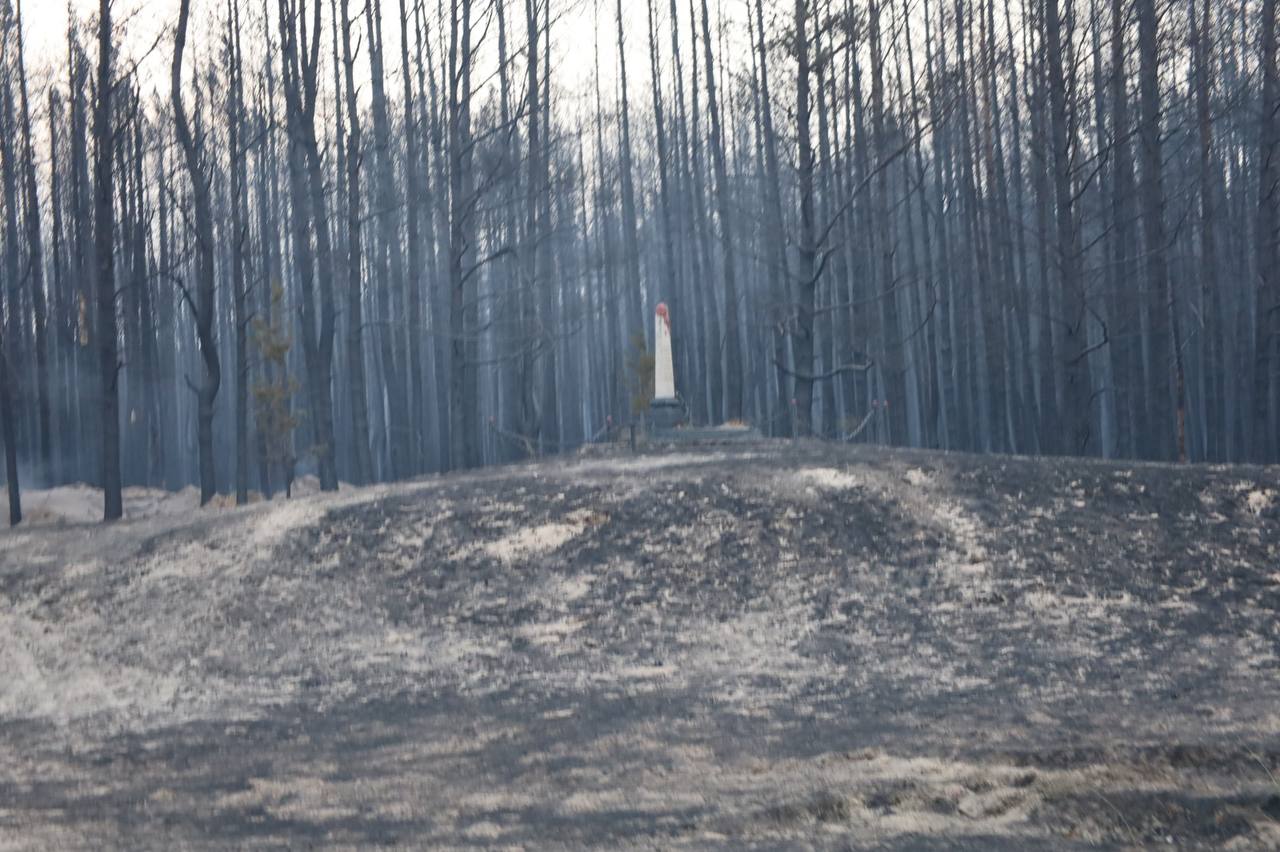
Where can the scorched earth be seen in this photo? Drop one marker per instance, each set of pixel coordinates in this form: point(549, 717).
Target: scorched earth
point(762, 646)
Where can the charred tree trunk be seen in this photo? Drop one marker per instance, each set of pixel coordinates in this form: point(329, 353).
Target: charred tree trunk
point(732, 344)
point(806, 252)
point(239, 237)
point(1267, 314)
point(35, 265)
point(104, 237)
point(1078, 391)
point(361, 461)
point(1169, 343)
point(300, 46)
point(202, 304)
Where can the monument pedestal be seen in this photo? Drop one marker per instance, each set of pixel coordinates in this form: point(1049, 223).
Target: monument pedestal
point(666, 414)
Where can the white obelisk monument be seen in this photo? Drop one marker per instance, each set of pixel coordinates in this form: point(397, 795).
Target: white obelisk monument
point(666, 411)
point(664, 376)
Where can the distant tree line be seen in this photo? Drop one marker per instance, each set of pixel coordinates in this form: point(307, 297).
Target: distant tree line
point(372, 239)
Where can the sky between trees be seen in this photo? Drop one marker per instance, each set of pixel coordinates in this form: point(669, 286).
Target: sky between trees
point(145, 20)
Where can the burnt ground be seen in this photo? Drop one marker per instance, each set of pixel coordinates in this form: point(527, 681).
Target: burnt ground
point(755, 647)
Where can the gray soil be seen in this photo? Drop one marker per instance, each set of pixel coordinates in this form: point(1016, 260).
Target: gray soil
point(738, 647)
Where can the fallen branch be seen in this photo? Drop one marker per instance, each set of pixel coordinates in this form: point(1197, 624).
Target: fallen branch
point(853, 436)
point(822, 377)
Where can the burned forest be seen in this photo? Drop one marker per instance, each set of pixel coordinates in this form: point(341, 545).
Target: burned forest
point(367, 240)
point(640, 424)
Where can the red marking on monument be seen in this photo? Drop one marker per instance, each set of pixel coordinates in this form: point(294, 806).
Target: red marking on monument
point(662, 312)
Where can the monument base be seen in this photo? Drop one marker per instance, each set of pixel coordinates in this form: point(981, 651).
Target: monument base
point(666, 414)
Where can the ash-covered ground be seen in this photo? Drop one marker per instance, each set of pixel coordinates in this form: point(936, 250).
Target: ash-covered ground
point(753, 647)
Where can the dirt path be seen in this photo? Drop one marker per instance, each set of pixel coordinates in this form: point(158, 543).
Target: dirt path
point(755, 647)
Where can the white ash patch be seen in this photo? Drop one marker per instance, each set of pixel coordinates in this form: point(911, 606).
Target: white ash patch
point(640, 672)
point(542, 539)
point(966, 530)
point(294, 798)
point(556, 594)
point(738, 652)
point(1178, 604)
point(1056, 608)
point(842, 794)
point(569, 589)
point(1254, 654)
point(127, 662)
point(963, 561)
point(53, 676)
point(494, 800)
point(237, 548)
point(80, 504)
point(930, 670)
point(483, 830)
point(651, 463)
point(530, 541)
point(549, 632)
point(826, 478)
point(1259, 501)
point(926, 499)
point(436, 653)
point(655, 800)
point(918, 478)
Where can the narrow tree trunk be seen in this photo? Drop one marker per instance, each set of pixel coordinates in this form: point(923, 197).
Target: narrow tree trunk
point(388, 261)
point(732, 345)
point(1159, 280)
point(40, 316)
point(1211, 297)
point(310, 221)
point(463, 416)
point(239, 235)
point(104, 235)
point(414, 203)
point(1078, 392)
point(1267, 315)
point(202, 304)
point(630, 245)
point(806, 274)
point(362, 462)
